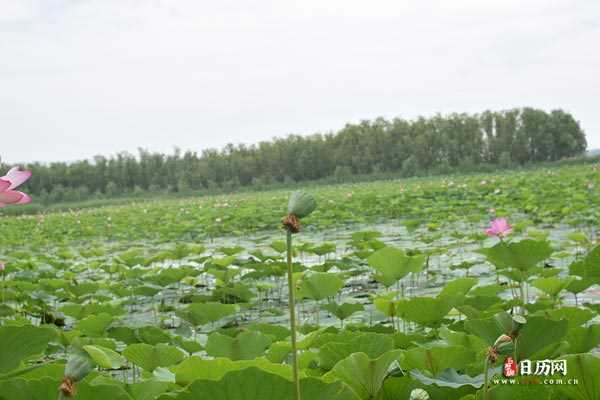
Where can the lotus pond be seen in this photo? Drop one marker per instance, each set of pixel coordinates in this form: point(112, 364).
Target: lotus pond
point(399, 294)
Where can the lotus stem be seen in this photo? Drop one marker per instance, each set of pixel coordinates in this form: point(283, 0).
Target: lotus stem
point(292, 308)
point(486, 367)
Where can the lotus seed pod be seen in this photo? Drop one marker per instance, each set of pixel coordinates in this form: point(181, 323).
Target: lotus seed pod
point(301, 204)
point(505, 348)
point(517, 323)
point(79, 365)
point(77, 368)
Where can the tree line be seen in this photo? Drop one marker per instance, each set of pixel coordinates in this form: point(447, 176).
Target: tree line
point(438, 144)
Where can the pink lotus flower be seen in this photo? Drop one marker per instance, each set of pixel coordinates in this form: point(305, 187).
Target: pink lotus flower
point(13, 178)
point(499, 227)
point(2, 267)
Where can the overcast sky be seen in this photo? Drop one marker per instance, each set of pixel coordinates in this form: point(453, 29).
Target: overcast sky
point(86, 77)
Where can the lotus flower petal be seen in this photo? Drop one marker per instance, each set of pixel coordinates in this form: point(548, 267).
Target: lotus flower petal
point(10, 197)
point(4, 185)
point(16, 177)
point(499, 227)
point(25, 199)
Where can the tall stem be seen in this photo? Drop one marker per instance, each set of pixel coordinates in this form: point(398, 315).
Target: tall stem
point(485, 379)
point(292, 307)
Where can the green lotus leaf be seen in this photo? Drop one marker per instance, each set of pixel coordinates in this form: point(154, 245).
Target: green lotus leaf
point(489, 329)
point(405, 388)
point(517, 392)
point(21, 342)
point(152, 335)
point(584, 368)
point(146, 290)
point(583, 339)
point(471, 342)
point(552, 286)
point(79, 311)
point(449, 378)
point(319, 286)
point(245, 346)
point(575, 315)
point(436, 359)
point(151, 357)
point(95, 325)
point(104, 357)
point(343, 311)
point(168, 276)
point(278, 352)
point(29, 389)
point(426, 311)
point(277, 331)
point(538, 333)
point(194, 368)
point(147, 390)
point(523, 255)
point(256, 384)
point(102, 391)
point(364, 375)
point(203, 313)
point(393, 264)
point(458, 287)
point(372, 344)
point(589, 267)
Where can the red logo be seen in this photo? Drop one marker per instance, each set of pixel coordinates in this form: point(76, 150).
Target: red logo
point(510, 367)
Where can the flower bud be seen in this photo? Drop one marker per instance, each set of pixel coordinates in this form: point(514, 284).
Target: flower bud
point(502, 339)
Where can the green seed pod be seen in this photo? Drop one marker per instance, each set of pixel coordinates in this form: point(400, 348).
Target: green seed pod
point(79, 365)
point(301, 204)
point(505, 348)
point(518, 321)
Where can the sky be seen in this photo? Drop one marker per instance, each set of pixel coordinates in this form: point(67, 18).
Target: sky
point(85, 77)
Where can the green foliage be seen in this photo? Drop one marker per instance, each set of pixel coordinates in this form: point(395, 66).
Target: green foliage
point(135, 301)
point(21, 342)
point(245, 346)
point(319, 286)
point(151, 357)
point(426, 311)
point(436, 144)
point(256, 384)
point(195, 368)
point(523, 255)
point(393, 264)
point(104, 357)
point(343, 311)
point(364, 375)
point(203, 313)
point(583, 368)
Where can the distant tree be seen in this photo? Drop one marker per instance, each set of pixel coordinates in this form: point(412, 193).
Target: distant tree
point(441, 143)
